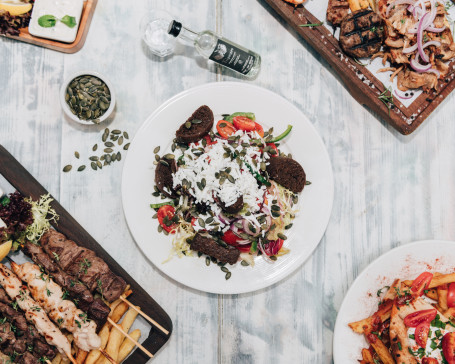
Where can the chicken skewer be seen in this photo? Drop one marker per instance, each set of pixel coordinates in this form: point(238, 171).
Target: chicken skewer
point(62, 311)
point(33, 312)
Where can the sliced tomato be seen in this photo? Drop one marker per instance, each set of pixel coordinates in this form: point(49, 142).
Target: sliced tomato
point(209, 140)
point(165, 215)
point(273, 247)
point(451, 295)
point(273, 146)
point(421, 283)
point(225, 129)
point(230, 238)
point(448, 347)
point(244, 248)
point(421, 334)
point(259, 129)
point(429, 361)
point(244, 123)
point(416, 318)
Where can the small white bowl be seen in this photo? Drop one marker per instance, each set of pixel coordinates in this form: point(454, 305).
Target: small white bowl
point(66, 107)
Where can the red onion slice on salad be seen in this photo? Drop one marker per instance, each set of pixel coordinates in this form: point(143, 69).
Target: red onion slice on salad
point(398, 2)
point(418, 67)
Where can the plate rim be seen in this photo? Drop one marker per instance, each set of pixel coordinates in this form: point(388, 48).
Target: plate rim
point(305, 119)
point(364, 272)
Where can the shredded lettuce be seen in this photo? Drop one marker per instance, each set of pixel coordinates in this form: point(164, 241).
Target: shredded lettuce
point(180, 246)
point(43, 214)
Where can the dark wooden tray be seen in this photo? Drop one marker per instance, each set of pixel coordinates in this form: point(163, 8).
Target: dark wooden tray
point(360, 82)
point(24, 182)
point(84, 25)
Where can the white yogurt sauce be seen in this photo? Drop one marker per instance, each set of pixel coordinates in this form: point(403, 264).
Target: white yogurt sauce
point(57, 8)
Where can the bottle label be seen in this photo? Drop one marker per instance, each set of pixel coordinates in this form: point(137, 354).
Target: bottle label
point(232, 57)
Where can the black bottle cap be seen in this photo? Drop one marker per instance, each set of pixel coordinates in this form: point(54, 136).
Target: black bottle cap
point(174, 28)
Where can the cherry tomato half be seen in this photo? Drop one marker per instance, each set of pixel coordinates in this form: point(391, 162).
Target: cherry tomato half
point(273, 146)
point(230, 238)
point(451, 295)
point(165, 216)
point(421, 334)
point(244, 248)
point(259, 129)
point(244, 123)
point(225, 129)
point(448, 347)
point(429, 361)
point(273, 247)
point(416, 318)
point(421, 283)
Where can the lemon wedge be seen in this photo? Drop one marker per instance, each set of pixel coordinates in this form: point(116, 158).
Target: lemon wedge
point(15, 8)
point(4, 249)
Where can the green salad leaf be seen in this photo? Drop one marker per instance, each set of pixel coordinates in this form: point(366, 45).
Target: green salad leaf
point(69, 21)
point(47, 21)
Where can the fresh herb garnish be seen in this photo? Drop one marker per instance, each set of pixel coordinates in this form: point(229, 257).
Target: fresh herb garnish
point(387, 99)
point(311, 25)
point(49, 21)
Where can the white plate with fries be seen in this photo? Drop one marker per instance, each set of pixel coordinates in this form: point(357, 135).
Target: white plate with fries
point(361, 301)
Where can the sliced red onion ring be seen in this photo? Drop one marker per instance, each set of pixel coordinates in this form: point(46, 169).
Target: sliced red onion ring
point(246, 227)
point(431, 28)
point(420, 29)
point(431, 42)
point(402, 96)
point(224, 219)
point(264, 254)
point(410, 49)
point(243, 242)
point(436, 72)
point(416, 66)
point(398, 2)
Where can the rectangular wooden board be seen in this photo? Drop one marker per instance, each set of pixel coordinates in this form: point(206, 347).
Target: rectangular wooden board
point(359, 81)
point(84, 25)
point(26, 184)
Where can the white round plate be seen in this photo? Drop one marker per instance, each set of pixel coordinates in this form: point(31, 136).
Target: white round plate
point(271, 111)
point(361, 301)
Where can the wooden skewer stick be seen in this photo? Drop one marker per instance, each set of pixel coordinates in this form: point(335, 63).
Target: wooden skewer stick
point(48, 362)
point(107, 356)
point(149, 319)
point(119, 328)
point(70, 357)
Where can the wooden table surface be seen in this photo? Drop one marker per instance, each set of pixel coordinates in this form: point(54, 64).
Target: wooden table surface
point(389, 189)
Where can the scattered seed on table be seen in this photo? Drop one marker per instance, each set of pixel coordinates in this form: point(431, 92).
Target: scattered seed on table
point(109, 144)
point(108, 150)
point(81, 168)
point(116, 131)
point(156, 150)
point(94, 166)
point(76, 154)
point(67, 168)
point(207, 260)
point(120, 140)
point(95, 147)
point(228, 275)
point(126, 146)
point(125, 134)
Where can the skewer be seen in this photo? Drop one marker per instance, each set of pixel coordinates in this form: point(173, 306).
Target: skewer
point(48, 362)
point(119, 328)
point(149, 319)
point(107, 356)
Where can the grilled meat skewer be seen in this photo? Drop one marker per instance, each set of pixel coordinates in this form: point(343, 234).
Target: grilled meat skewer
point(33, 312)
point(83, 264)
point(62, 311)
point(96, 309)
point(17, 336)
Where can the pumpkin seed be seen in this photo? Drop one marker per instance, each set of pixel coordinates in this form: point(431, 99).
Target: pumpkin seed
point(76, 154)
point(169, 156)
point(116, 131)
point(105, 135)
point(224, 269)
point(67, 168)
point(201, 222)
point(273, 257)
point(207, 260)
point(81, 168)
point(163, 162)
point(95, 147)
point(228, 275)
point(125, 134)
point(156, 150)
point(120, 140)
point(188, 124)
point(126, 147)
point(119, 156)
point(231, 179)
point(113, 157)
point(282, 236)
point(94, 158)
point(98, 163)
point(244, 263)
point(109, 144)
point(108, 150)
point(196, 121)
point(93, 165)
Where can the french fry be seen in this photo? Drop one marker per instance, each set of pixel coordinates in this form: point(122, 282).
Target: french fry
point(366, 324)
point(450, 314)
point(380, 349)
point(432, 293)
point(363, 4)
point(367, 357)
point(94, 355)
point(81, 355)
point(128, 345)
point(119, 311)
point(57, 359)
point(128, 320)
point(373, 5)
point(439, 280)
point(442, 297)
point(113, 345)
point(354, 5)
point(392, 292)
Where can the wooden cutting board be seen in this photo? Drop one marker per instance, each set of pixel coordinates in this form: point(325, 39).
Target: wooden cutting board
point(26, 184)
point(84, 25)
point(361, 83)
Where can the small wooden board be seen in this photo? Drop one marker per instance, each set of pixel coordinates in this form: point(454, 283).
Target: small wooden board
point(84, 25)
point(24, 182)
point(360, 82)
